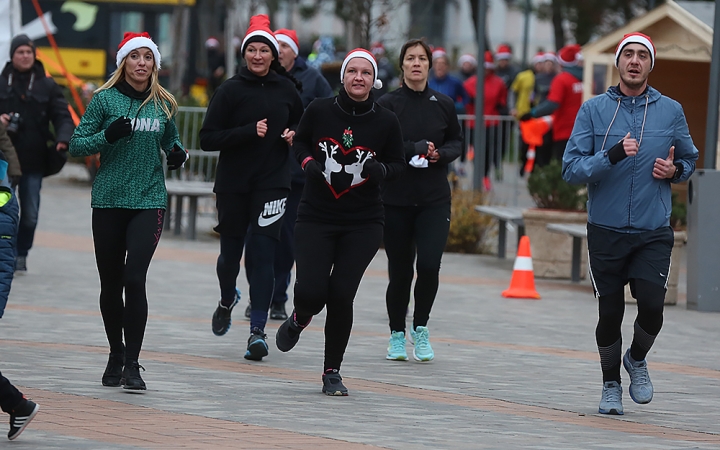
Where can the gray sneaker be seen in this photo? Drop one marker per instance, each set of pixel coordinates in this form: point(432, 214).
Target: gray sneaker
point(21, 264)
point(641, 388)
point(611, 401)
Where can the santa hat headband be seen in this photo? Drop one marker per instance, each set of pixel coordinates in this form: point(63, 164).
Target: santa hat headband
point(538, 58)
point(289, 37)
point(467, 58)
point(362, 53)
point(133, 41)
point(636, 38)
point(550, 56)
point(259, 31)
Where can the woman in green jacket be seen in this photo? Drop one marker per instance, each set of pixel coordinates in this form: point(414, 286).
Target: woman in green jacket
point(129, 121)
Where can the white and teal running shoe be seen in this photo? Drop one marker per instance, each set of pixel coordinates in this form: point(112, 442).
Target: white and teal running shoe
point(422, 351)
point(396, 347)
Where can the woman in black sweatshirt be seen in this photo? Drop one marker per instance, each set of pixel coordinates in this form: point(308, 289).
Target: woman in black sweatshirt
point(417, 205)
point(250, 120)
point(347, 145)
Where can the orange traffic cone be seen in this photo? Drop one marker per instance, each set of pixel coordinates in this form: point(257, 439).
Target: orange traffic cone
point(522, 283)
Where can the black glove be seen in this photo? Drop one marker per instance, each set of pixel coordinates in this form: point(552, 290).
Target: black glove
point(617, 153)
point(313, 170)
point(117, 130)
point(526, 116)
point(374, 169)
point(176, 158)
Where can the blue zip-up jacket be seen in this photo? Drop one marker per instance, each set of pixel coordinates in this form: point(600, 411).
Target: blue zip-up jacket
point(625, 197)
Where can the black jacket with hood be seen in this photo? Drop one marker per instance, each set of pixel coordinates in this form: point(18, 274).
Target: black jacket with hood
point(39, 101)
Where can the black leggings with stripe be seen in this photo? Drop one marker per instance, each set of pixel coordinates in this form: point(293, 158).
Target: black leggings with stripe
point(125, 241)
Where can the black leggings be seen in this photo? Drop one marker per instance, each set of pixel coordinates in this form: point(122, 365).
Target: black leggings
point(611, 308)
point(330, 262)
point(125, 241)
point(10, 397)
point(412, 231)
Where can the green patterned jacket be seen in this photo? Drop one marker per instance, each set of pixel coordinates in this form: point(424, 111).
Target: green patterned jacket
point(131, 173)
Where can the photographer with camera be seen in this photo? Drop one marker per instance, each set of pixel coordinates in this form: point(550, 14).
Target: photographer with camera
point(29, 102)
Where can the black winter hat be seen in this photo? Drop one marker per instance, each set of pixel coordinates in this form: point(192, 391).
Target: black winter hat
point(20, 40)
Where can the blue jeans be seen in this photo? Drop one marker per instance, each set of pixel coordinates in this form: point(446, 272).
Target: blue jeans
point(29, 196)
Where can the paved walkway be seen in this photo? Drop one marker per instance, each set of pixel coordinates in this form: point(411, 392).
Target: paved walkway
point(507, 373)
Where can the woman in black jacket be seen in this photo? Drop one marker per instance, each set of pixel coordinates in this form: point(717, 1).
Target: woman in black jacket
point(250, 120)
point(417, 205)
point(347, 145)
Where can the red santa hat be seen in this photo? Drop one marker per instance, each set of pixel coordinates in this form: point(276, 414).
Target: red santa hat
point(489, 61)
point(362, 53)
point(539, 57)
point(377, 49)
point(570, 55)
point(503, 52)
point(133, 41)
point(467, 58)
point(438, 52)
point(259, 31)
point(636, 38)
point(290, 38)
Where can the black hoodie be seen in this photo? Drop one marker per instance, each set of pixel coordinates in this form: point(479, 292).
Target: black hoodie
point(424, 116)
point(248, 162)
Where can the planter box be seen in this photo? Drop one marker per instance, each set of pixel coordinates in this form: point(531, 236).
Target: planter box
point(678, 256)
point(552, 252)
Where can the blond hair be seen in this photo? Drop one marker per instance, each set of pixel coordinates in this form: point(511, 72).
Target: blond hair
point(158, 94)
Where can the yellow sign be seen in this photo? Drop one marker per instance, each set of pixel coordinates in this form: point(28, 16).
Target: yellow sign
point(85, 63)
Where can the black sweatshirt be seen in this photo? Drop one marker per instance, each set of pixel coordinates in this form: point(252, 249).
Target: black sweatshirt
point(341, 134)
point(424, 116)
point(248, 162)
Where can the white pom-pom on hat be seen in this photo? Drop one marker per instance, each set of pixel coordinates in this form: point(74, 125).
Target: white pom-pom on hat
point(362, 53)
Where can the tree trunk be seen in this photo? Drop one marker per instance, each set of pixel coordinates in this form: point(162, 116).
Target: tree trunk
point(181, 23)
point(557, 20)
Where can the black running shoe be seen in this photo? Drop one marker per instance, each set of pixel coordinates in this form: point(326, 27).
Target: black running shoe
point(257, 347)
point(277, 311)
point(288, 334)
point(133, 380)
point(221, 317)
point(21, 416)
point(114, 370)
point(332, 383)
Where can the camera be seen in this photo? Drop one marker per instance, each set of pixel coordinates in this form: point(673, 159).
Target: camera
point(14, 124)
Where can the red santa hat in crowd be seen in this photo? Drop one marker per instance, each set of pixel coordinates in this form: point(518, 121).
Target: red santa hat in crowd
point(290, 38)
point(259, 31)
point(133, 41)
point(636, 38)
point(489, 61)
point(377, 49)
point(467, 58)
point(570, 55)
point(503, 52)
point(362, 53)
point(538, 58)
point(438, 52)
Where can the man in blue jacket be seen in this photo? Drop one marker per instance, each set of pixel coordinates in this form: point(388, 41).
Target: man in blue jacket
point(629, 145)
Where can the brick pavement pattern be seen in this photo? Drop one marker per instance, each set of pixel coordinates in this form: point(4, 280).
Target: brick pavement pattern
point(507, 373)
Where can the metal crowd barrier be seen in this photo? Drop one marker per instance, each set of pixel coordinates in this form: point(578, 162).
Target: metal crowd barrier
point(502, 140)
